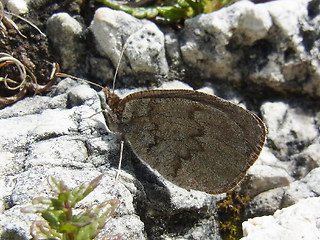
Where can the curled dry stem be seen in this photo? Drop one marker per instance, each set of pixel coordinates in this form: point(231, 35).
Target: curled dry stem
point(6, 59)
point(10, 84)
point(27, 81)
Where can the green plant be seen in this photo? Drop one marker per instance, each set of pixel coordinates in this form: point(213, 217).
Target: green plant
point(170, 10)
point(229, 211)
point(58, 212)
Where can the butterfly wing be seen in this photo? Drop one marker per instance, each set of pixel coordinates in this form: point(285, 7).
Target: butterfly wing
point(195, 140)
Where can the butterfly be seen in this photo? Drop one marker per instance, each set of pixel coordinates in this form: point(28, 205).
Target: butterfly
point(195, 140)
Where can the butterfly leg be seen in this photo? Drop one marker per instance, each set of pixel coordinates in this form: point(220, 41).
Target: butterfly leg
point(120, 162)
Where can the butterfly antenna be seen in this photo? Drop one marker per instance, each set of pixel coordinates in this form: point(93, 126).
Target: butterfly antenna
point(79, 79)
point(118, 66)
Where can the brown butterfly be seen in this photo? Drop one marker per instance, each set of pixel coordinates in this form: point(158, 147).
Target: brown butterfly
point(195, 140)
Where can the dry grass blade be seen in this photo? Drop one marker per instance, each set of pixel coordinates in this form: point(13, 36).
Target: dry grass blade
point(5, 21)
point(11, 24)
point(3, 28)
point(27, 21)
point(1, 11)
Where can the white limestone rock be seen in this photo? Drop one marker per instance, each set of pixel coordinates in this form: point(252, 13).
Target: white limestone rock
point(300, 221)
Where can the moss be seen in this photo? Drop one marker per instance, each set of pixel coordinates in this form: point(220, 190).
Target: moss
point(229, 211)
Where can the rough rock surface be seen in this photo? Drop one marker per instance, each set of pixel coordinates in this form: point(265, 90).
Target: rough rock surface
point(269, 51)
point(299, 221)
point(273, 45)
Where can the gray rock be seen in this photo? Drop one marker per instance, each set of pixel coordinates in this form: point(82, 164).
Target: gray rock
point(145, 51)
point(289, 128)
point(102, 69)
point(67, 142)
point(82, 95)
point(300, 221)
point(56, 98)
point(303, 162)
point(309, 186)
point(263, 178)
point(291, 54)
point(265, 203)
point(271, 44)
point(206, 38)
point(274, 44)
point(173, 50)
point(17, 6)
point(266, 174)
point(65, 35)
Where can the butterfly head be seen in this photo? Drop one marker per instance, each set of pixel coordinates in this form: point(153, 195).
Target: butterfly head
point(113, 101)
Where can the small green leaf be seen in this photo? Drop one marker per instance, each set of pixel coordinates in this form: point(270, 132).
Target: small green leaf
point(84, 219)
point(57, 186)
point(144, 12)
point(52, 218)
point(103, 213)
point(196, 6)
point(79, 193)
point(116, 5)
point(172, 12)
point(139, 12)
point(57, 204)
point(183, 3)
point(67, 228)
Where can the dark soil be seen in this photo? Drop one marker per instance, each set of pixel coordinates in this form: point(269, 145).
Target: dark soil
point(34, 50)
